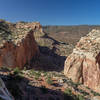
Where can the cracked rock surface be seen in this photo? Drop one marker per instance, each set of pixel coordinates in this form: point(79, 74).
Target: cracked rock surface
point(83, 65)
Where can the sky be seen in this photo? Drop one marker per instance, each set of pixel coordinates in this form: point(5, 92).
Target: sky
point(52, 12)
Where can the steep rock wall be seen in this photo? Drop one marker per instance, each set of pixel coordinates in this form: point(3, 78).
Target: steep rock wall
point(83, 65)
point(18, 46)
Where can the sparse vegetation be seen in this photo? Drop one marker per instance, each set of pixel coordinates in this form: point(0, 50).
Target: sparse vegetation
point(80, 97)
point(68, 94)
point(16, 70)
point(83, 92)
point(49, 80)
point(68, 91)
point(5, 68)
point(53, 48)
point(95, 93)
point(45, 73)
point(36, 74)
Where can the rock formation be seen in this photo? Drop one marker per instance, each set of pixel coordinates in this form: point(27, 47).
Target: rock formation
point(4, 93)
point(83, 65)
point(17, 43)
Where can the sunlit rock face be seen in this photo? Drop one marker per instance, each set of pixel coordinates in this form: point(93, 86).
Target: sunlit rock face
point(83, 65)
point(17, 43)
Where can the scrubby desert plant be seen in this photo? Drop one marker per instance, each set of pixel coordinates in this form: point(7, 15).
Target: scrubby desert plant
point(95, 93)
point(36, 74)
point(16, 70)
point(80, 97)
point(68, 91)
point(49, 80)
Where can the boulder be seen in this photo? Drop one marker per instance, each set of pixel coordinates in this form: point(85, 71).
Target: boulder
point(83, 65)
point(17, 43)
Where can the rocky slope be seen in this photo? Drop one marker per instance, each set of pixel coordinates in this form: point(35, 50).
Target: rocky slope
point(17, 43)
point(42, 77)
point(42, 85)
point(19, 49)
point(52, 52)
point(83, 65)
point(4, 93)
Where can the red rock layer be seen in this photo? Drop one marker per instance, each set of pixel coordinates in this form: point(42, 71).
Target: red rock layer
point(12, 55)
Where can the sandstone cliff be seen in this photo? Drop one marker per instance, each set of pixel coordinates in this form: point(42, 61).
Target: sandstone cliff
point(17, 43)
point(83, 65)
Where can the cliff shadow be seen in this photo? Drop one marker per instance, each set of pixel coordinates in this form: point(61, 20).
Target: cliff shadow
point(48, 60)
point(21, 89)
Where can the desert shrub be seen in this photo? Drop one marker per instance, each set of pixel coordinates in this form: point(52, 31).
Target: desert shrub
point(68, 91)
point(4, 68)
point(70, 96)
point(44, 73)
point(83, 92)
point(35, 74)
point(80, 97)
point(49, 80)
point(95, 93)
point(16, 70)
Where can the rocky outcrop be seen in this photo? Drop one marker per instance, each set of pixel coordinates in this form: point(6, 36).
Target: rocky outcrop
point(17, 43)
point(4, 93)
point(83, 65)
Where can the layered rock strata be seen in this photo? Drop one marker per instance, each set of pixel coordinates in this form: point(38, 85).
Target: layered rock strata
point(17, 43)
point(83, 65)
